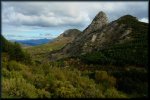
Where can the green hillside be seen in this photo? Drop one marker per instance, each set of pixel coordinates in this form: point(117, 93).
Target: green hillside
point(14, 51)
point(41, 53)
point(117, 71)
point(131, 52)
point(23, 80)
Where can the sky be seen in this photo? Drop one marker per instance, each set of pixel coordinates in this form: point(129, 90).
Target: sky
point(36, 20)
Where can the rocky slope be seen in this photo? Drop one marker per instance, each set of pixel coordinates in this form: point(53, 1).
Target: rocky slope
point(100, 35)
point(41, 52)
point(68, 35)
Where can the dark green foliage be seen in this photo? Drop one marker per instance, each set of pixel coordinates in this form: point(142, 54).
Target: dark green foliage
point(132, 81)
point(20, 88)
point(61, 79)
point(15, 52)
point(95, 58)
point(13, 65)
point(20, 81)
point(103, 77)
point(133, 52)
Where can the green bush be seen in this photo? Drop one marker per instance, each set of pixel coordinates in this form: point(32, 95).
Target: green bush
point(39, 81)
point(113, 93)
point(13, 65)
point(4, 64)
point(43, 94)
point(15, 52)
point(94, 58)
point(18, 88)
point(65, 90)
point(5, 73)
point(132, 81)
point(103, 77)
point(5, 57)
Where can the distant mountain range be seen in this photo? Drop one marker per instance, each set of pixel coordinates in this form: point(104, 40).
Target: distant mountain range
point(33, 42)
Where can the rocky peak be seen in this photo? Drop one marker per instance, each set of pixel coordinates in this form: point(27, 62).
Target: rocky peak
point(69, 34)
point(100, 35)
point(98, 22)
point(127, 19)
point(100, 17)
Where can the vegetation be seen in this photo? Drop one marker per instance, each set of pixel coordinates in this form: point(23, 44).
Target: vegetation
point(19, 80)
point(41, 53)
point(49, 80)
point(15, 52)
point(119, 71)
point(134, 52)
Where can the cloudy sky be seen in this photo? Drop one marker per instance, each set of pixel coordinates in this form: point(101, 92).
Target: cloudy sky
point(34, 20)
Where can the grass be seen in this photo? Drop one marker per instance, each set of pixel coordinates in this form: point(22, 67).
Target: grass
point(41, 52)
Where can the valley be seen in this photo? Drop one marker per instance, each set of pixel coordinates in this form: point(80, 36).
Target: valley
point(105, 60)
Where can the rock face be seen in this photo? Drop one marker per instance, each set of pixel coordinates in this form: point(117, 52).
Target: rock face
point(87, 35)
point(98, 35)
point(98, 22)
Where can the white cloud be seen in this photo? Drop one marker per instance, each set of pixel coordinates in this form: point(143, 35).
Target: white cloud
point(49, 17)
point(144, 20)
point(48, 14)
point(39, 15)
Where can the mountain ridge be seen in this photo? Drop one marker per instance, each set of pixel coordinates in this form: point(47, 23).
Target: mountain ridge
point(33, 42)
point(110, 34)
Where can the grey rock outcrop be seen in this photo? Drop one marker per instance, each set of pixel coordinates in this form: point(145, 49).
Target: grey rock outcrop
point(98, 22)
point(98, 35)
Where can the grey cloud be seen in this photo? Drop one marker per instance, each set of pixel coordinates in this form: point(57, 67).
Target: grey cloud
point(11, 35)
point(71, 14)
point(47, 35)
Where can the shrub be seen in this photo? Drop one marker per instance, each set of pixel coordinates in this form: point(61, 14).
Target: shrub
point(58, 73)
point(94, 58)
point(4, 64)
point(13, 65)
point(132, 81)
point(43, 94)
point(103, 77)
point(15, 51)
point(39, 81)
point(64, 89)
point(113, 93)
point(5, 73)
point(5, 57)
point(18, 88)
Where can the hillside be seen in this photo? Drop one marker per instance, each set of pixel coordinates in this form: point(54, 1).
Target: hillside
point(24, 78)
point(106, 60)
point(14, 51)
point(41, 52)
point(124, 36)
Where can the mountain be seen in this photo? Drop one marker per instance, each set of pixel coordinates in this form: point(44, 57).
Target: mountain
point(106, 60)
point(33, 42)
point(68, 35)
point(121, 41)
point(43, 50)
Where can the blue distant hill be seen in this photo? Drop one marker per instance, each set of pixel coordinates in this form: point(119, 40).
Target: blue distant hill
point(33, 42)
